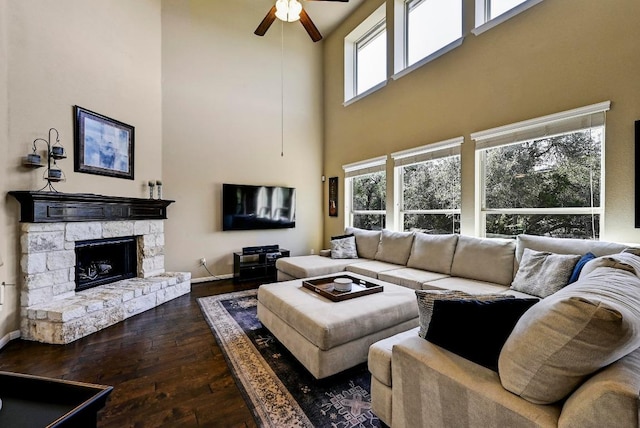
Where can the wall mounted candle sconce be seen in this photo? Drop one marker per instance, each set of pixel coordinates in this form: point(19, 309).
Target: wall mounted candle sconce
point(55, 151)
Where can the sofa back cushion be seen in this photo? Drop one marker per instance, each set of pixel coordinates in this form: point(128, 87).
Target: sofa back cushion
point(433, 252)
point(571, 334)
point(565, 246)
point(394, 247)
point(366, 241)
point(484, 259)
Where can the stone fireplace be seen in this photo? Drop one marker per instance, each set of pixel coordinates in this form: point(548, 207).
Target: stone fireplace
point(97, 269)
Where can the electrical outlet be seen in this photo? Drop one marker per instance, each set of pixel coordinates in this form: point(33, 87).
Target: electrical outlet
point(203, 261)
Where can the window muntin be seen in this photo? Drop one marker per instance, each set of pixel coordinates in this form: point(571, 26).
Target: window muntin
point(550, 186)
point(430, 196)
point(430, 26)
point(368, 200)
point(371, 58)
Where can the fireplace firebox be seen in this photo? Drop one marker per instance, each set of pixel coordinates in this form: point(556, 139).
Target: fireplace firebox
point(102, 261)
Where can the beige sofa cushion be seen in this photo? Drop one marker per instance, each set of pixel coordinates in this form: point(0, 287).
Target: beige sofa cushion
point(571, 334)
point(484, 259)
point(542, 273)
point(371, 268)
point(379, 360)
point(409, 277)
point(308, 266)
point(565, 246)
point(394, 247)
point(471, 286)
point(433, 252)
point(366, 241)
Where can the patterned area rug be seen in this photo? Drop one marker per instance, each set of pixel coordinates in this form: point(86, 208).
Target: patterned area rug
point(277, 388)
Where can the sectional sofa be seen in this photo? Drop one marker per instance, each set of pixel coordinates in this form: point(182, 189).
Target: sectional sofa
point(573, 358)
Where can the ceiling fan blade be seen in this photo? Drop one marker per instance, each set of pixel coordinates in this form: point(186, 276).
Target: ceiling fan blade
point(266, 22)
point(308, 25)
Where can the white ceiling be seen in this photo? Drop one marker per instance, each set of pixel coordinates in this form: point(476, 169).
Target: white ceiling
point(327, 15)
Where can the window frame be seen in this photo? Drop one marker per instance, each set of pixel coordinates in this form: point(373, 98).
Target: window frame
point(529, 130)
point(418, 155)
point(483, 9)
point(374, 22)
point(360, 169)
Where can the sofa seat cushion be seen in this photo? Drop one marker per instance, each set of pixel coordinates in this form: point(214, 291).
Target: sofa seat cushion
point(433, 252)
point(433, 387)
point(379, 360)
point(484, 259)
point(408, 277)
point(470, 286)
point(394, 247)
point(314, 265)
point(571, 334)
point(366, 241)
point(371, 268)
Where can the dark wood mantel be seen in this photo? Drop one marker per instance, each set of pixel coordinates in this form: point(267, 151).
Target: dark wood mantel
point(50, 207)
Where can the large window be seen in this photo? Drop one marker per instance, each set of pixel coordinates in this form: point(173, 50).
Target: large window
point(366, 194)
point(428, 187)
point(430, 26)
point(365, 62)
point(490, 13)
point(544, 176)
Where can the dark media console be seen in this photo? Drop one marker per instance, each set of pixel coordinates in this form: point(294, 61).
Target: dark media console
point(257, 263)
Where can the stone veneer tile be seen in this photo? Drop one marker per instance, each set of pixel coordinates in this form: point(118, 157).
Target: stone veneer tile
point(61, 259)
point(116, 229)
point(33, 263)
point(83, 231)
point(91, 310)
point(41, 242)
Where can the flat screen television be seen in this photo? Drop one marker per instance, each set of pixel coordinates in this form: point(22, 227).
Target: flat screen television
point(246, 207)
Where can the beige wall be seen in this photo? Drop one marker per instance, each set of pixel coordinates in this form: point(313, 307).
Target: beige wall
point(101, 55)
point(556, 56)
point(222, 124)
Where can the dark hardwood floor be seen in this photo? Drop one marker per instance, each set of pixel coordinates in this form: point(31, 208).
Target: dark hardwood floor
point(164, 364)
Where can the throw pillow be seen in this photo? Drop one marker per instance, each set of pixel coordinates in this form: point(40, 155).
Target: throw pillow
point(578, 268)
point(427, 297)
point(366, 241)
point(344, 247)
point(476, 329)
point(571, 334)
point(542, 273)
point(394, 247)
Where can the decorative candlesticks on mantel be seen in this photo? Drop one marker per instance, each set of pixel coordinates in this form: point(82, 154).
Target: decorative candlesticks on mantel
point(55, 152)
point(155, 184)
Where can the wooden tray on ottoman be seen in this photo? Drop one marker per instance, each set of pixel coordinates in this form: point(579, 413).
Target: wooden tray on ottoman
point(360, 287)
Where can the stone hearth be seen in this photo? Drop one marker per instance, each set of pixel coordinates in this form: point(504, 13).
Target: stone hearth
point(51, 310)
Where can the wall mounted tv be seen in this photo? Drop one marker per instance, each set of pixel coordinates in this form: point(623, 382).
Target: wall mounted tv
point(247, 207)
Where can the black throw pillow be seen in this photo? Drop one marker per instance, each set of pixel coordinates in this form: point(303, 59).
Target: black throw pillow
point(476, 329)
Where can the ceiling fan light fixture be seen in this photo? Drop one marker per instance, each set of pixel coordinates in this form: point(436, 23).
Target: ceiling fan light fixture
point(288, 10)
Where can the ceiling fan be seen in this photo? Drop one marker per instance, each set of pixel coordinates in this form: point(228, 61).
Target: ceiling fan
point(290, 11)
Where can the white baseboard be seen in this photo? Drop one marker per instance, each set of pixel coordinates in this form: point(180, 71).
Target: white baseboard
point(211, 278)
point(9, 337)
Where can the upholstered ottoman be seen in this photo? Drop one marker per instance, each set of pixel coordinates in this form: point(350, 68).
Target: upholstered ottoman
point(328, 337)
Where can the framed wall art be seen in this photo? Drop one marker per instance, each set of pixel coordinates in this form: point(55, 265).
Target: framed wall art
point(102, 145)
point(333, 196)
